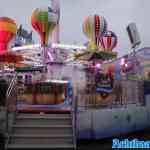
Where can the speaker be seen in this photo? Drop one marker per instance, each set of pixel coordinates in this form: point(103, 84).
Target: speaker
point(133, 35)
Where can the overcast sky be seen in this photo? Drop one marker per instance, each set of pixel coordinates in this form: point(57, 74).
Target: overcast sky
point(118, 13)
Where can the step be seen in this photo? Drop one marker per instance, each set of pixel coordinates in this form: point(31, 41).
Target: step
point(39, 146)
point(52, 119)
point(41, 140)
point(41, 136)
point(41, 126)
point(42, 129)
point(42, 115)
point(43, 121)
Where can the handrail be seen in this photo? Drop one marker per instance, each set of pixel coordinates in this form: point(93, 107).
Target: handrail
point(74, 118)
point(11, 86)
point(10, 95)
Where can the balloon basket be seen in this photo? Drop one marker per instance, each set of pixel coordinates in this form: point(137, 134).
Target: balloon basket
point(105, 55)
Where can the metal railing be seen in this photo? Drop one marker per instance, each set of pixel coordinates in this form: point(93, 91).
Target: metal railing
point(124, 92)
point(74, 117)
point(11, 106)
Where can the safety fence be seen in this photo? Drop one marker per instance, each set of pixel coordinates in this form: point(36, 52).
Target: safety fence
point(123, 92)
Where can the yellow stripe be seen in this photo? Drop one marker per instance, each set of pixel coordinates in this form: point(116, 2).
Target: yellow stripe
point(8, 27)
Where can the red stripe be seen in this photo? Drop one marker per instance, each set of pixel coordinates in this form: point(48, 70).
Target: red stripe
point(97, 24)
point(6, 19)
point(109, 42)
point(102, 44)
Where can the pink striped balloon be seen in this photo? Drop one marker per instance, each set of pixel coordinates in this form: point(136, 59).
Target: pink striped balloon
point(108, 42)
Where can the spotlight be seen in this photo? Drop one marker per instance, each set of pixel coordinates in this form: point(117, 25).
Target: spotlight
point(98, 66)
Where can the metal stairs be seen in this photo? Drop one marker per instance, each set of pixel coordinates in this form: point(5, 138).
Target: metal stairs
point(42, 131)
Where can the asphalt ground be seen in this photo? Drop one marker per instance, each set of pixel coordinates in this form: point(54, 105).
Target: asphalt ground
point(106, 144)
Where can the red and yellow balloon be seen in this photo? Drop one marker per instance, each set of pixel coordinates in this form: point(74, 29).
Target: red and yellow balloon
point(44, 20)
point(8, 29)
point(94, 27)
